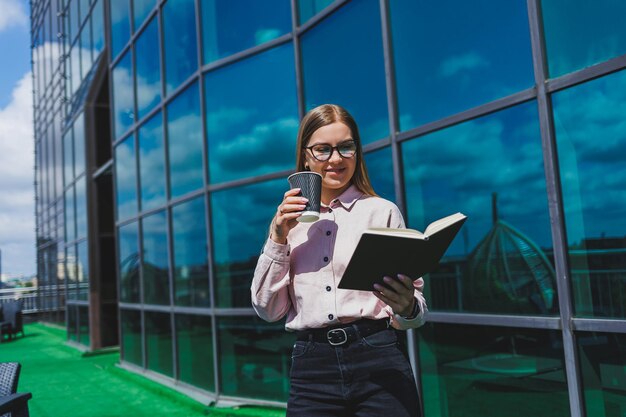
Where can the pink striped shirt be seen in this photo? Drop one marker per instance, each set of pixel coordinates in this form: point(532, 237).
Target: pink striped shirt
point(299, 279)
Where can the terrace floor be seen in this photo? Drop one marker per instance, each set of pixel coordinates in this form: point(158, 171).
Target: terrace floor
point(65, 382)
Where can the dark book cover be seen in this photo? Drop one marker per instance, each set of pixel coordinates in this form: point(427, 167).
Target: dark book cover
point(391, 252)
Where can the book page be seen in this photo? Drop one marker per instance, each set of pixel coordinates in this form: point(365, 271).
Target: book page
point(395, 232)
point(442, 223)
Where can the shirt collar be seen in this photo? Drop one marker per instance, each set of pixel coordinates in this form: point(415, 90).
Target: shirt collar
point(347, 198)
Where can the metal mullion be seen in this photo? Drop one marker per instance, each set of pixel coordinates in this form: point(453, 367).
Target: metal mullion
point(237, 311)
point(377, 145)
point(170, 274)
point(473, 113)
point(555, 203)
point(207, 211)
point(102, 169)
point(586, 74)
point(397, 163)
point(599, 325)
point(198, 311)
point(328, 10)
point(297, 54)
point(536, 322)
point(246, 53)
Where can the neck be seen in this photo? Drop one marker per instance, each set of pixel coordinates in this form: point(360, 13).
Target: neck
point(329, 195)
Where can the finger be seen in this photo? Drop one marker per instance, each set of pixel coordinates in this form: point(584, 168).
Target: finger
point(396, 285)
point(293, 191)
point(288, 208)
point(388, 293)
point(295, 200)
point(382, 297)
point(406, 280)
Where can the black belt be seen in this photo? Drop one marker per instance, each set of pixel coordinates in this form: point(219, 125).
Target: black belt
point(344, 333)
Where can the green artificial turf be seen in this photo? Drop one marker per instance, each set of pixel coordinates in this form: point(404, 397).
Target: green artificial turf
point(66, 382)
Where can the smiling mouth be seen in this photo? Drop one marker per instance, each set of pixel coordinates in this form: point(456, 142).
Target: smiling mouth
point(335, 170)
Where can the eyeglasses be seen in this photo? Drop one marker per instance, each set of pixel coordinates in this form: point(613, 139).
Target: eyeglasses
point(323, 152)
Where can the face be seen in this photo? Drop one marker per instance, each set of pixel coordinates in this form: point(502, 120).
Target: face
point(337, 172)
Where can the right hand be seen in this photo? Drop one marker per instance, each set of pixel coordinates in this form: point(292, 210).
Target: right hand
point(288, 211)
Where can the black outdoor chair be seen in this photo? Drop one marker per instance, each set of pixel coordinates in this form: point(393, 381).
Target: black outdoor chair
point(11, 323)
point(12, 404)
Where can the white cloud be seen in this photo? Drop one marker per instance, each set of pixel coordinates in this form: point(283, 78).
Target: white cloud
point(461, 63)
point(12, 14)
point(17, 224)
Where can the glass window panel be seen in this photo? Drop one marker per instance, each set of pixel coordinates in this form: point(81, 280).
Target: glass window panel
point(71, 272)
point(68, 157)
point(128, 236)
point(251, 113)
point(84, 9)
point(309, 8)
point(83, 326)
point(130, 322)
point(491, 169)
point(239, 234)
point(581, 33)
point(126, 178)
point(185, 142)
point(81, 208)
point(148, 64)
point(82, 270)
point(152, 163)
point(156, 288)
point(75, 65)
point(191, 282)
point(74, 19)
point(446, 63)
point(72, 323)
point(380, 170)
point(590, 127)
point(123, 96)
point(70, 215)
point(120, 25)
point(256, 22)
point(179, 40)
point(79, 144)
point(463, 368)
point(602, 358)
point(159, 343)
point(343, 64)
point(255, 358)
point(85, 46)
point(141, 10)
point(194, 337)
point(97, 17)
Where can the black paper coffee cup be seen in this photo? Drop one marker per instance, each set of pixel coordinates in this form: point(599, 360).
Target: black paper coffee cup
point(310, 185)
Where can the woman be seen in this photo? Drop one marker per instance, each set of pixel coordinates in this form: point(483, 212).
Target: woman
point(346, 360)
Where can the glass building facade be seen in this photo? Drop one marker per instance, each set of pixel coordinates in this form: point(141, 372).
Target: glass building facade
point(165, 131)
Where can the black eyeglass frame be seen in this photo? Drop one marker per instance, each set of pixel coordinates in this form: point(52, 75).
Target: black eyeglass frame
point(332, 150)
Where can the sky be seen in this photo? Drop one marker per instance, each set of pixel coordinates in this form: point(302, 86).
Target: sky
point(17, 218)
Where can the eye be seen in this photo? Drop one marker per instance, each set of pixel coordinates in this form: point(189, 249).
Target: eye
point(322, 149)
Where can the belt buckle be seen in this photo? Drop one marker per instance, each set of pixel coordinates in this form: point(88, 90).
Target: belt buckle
point(337, 337)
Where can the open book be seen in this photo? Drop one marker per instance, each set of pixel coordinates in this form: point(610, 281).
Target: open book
point(389, 252)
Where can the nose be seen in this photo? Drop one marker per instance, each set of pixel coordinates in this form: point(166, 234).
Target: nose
point(335, 157)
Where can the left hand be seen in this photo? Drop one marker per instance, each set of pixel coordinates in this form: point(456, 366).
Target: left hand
point(399, 294)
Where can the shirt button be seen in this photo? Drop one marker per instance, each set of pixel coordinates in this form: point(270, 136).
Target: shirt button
point(328, 233)
point(325, 258)
point(328, 288)
point(330, 210)
point(330, 317)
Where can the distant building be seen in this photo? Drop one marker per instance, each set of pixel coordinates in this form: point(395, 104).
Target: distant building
point(165, 131)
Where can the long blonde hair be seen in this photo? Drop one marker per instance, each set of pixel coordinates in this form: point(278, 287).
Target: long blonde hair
point(325, 115)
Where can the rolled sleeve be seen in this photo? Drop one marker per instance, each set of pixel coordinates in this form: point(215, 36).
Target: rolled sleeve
point(269, 290)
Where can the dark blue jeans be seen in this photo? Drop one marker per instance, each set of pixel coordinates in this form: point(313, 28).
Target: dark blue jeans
point(368, 377)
